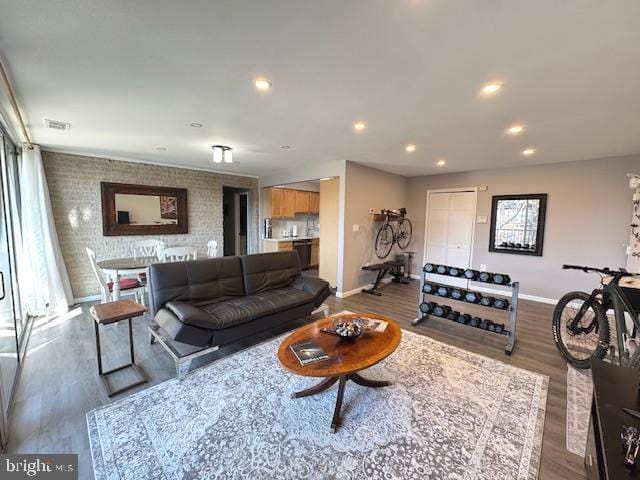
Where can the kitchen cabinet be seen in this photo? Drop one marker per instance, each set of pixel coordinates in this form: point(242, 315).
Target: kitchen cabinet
point(314, 202)
point(301, 201)
point(277, 246)
point(314, 261)
point(276, 202)
point(288, 203)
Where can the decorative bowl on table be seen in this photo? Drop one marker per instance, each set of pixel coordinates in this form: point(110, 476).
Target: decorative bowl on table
point(347, 328)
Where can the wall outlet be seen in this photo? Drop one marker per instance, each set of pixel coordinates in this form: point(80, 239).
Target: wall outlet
point(481, 219)
point(483, 267)
point(356, 228)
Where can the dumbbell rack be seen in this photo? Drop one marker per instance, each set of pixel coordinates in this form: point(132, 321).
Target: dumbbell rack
point(512, 309)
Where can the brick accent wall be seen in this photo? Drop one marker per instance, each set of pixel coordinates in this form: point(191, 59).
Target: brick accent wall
point(74, 187)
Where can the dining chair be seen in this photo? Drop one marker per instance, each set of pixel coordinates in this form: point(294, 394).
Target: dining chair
point(128, 286)
point(178, 254)
point(212, 249)
point(147, 248)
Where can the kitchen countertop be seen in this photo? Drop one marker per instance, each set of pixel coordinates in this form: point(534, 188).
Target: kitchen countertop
point(289, 239)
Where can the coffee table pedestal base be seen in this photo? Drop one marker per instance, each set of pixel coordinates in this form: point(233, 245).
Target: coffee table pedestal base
point(342, 381)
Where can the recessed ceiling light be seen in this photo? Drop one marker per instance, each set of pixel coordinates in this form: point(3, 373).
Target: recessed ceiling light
point(262, 84)
point(161, 149)
point(359, 126)
point(285, 147)
point(410, 148)
point(195, 125)
point(515, 129)
point(442, 162)
point(529, 151)
point(492, 88)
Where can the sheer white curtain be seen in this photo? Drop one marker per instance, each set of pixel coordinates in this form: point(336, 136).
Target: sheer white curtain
point(47, 282)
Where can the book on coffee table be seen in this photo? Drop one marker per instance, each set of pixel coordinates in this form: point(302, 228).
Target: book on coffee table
point(309, 352)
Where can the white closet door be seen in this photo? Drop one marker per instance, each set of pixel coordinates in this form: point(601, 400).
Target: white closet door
point(450, 232)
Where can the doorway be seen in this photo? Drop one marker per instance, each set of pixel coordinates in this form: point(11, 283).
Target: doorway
point(235, 219)
point(449, 231)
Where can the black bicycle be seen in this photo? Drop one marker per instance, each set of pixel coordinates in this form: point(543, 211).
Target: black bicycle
point(581, 327)
point(388, 236)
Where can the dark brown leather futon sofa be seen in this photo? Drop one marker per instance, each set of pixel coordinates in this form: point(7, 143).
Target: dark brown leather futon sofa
point(219, 300)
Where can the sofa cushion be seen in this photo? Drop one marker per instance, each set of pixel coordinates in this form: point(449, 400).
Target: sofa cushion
point(198, 282)
point(236, 311)
point(269, 271)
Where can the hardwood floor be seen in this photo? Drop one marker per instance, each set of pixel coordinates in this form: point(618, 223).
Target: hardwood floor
point(59, 382)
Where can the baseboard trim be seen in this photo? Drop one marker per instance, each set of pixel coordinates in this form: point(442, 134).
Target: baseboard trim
point(523, 296)
point(90, 298)
point(358, 290)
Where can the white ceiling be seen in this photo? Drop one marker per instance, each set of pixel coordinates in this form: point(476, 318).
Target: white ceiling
point(131, 76)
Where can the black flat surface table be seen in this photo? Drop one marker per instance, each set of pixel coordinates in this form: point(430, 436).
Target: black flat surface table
point(614, 388)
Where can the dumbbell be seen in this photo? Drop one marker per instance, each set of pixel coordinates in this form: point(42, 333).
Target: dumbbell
point(427, 307)
point(485, 324)
point(472, 297)
point(456, 293)
point(484, 277)
point(470, 274)
point(441, 269)
point(428, 288)
point(429, 267)
point(455, 272)
point(499, 328)
point(501, 279)
point(464, 318)
point(453, 315)
point(443, 291)
point(441, 310)
point(475, 322)
point(487, 301)
point(500, 303)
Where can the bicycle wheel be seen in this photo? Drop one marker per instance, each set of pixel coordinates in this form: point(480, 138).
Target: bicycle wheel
point(591, 340)
point(404, 233)
point(384, 241)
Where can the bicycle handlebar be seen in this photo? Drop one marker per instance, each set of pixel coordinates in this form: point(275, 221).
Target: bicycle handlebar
point(605, 271)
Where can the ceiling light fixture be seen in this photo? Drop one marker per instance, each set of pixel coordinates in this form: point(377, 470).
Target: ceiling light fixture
point(529, 151)
point(222, 153)
point(442, 162)
point(515, 129)
point(285, 147)
point(492, 88)
point(359, 126)
point(195, 125)
point(410, 148)
point(161, 149)
point(262, 84)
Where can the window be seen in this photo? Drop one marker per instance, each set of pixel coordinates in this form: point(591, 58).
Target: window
point(517, 224)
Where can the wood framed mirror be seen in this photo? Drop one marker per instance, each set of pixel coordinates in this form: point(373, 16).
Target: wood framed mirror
point(517, 224)
point(129, 209)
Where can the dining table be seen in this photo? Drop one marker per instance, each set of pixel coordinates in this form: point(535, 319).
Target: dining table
point(114, 268)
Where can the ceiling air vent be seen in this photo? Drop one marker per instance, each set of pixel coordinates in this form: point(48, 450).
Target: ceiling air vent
point(57, 125)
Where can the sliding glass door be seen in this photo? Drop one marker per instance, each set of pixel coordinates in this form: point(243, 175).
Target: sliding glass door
point(11, 326)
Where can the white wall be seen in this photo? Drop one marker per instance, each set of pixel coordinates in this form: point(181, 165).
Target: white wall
point(587, 221)
point(367, 188)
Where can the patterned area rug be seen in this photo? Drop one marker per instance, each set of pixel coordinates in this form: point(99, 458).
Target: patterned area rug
point(449, 414)
point(579, 394)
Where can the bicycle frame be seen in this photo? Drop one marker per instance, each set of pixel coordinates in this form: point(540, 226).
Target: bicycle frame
point(610, 296)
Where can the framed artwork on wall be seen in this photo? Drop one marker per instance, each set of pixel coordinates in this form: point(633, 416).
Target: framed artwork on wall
point(517, 224)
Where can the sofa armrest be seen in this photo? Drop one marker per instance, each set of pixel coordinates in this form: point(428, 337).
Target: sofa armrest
point(317, 287)
point(189, 314)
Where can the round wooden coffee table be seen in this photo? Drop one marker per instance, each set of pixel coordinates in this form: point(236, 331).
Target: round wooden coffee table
point(346, 357)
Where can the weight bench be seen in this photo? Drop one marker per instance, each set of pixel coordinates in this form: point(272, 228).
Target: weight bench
point(394, 267)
